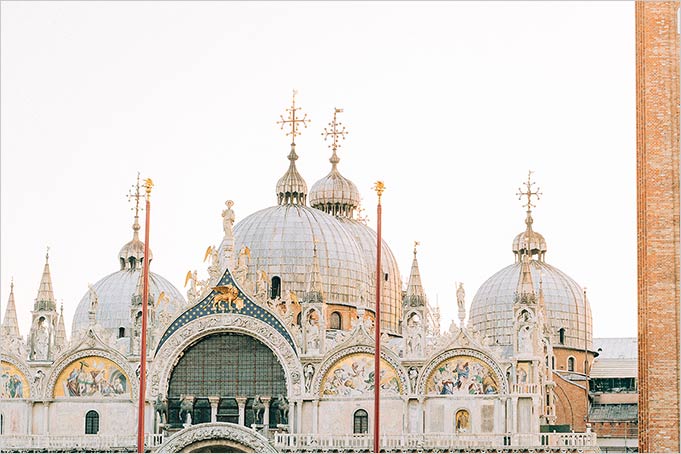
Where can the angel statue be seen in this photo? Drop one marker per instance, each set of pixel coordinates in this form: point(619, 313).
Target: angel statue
point(228, 219)
point(193, 292)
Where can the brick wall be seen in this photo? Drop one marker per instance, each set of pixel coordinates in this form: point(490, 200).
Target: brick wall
point(657, 121)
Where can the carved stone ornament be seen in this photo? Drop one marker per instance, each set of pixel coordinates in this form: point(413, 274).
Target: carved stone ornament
point(425, 373)
point(239, 436)
point(23, 367)
point(167, 356)
point(109, 353)
point(331, 360)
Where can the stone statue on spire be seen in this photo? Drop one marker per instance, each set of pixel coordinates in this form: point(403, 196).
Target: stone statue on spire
point(461, 303)
point(228, 220)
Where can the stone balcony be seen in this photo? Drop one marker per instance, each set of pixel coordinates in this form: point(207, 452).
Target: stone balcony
point(437, 442)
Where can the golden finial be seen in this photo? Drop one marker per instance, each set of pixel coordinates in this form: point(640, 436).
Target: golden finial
point(379, 187)
point(529, 205)
point(336, 129)
point(293, 120)
point(148, 184)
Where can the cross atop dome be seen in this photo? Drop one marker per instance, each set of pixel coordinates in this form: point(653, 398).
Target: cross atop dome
point(336, 129)
point(292, 120)
point(529, 193)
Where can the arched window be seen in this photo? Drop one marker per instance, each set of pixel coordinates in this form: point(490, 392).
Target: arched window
point(335, 321)
point(121, 332)
point(228, 411)
point(361, 422)
point(91, 422)
point(571, 364)
point(553, 362)
point(561, 336)
point(2, 424)
point(275, 289)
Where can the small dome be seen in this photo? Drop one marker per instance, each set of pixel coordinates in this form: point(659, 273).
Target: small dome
point(131, 255)
point(335, 194)
point(291, 188)
point(114, 297)
point(537, 244)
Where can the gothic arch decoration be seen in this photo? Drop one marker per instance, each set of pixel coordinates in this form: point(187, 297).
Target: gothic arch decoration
point(170, 352)
point(220, 433)
point(226, 297)
point(346, 373)
point(482, 376)
point(114, 364)
point(14, 382)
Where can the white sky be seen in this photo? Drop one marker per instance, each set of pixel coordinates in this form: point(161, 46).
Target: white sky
point(449, 103)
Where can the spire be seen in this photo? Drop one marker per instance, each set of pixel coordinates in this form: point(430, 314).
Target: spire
point(10, 326)
point(415, 295)
point(529, 241)
point(315, 292)
point(45, 299)
point(60, 333)
point(525, 292)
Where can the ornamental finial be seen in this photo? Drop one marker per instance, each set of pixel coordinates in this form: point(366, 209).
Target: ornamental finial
point(135, 196)
point(528, 185)
point(148, 184)
point(336, 129)
point(416, 243)
point(292, 120)
point(379, 187)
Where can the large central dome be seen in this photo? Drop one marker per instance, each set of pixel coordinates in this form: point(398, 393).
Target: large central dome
point(281, 240)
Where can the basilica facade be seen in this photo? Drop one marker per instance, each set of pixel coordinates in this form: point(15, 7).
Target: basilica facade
point(274, 350)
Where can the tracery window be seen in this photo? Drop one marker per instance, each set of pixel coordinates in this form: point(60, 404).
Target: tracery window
point(361, 422)
point(91, 422)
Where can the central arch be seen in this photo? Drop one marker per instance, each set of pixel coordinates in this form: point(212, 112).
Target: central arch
point(216, 437)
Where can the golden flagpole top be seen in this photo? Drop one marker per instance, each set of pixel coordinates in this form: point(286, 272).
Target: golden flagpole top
point(379, 187)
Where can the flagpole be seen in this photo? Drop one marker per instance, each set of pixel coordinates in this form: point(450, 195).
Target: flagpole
point(379, 187)
point(148, 184)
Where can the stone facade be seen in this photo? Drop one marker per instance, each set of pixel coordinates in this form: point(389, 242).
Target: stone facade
point(657, 118)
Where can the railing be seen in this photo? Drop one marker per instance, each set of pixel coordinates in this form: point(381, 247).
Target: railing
point(93, 442)
point(309, 442)
point(524, 388)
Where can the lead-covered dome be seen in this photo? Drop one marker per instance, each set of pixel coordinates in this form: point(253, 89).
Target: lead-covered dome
point(335, 194)
point(491, 311)
point(281, 240)
point(114, 295)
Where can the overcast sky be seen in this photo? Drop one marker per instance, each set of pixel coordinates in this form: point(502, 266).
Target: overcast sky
point(449, 103)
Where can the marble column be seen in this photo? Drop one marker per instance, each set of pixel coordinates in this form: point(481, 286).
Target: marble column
point(214, 402)
point(241, 402)
point(46, 418)
point(315, 416)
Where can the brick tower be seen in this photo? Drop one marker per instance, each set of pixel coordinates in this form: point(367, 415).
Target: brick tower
point(657, 140)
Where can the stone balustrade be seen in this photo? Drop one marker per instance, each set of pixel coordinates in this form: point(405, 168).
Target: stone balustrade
point(435, 441)
point(77, 442)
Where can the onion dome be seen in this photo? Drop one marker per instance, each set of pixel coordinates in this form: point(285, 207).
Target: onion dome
point(335, 194)
point(131, 255)
point(291, 188)
point(529, 241)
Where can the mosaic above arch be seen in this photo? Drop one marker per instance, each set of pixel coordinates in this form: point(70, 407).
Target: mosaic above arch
point(353, 375)
point(13, 382)
point(92, 376)
point(226, 297)
point(463, 374)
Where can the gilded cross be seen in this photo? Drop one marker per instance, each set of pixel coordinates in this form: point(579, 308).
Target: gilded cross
point(292, 120)
point(528, 185)
point(336, 129)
